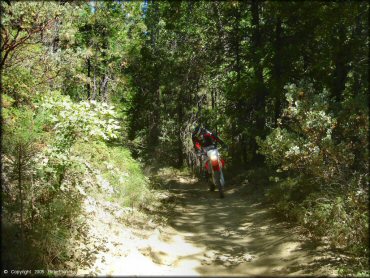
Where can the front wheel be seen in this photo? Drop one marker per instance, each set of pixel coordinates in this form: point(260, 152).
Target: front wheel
point(218, 178)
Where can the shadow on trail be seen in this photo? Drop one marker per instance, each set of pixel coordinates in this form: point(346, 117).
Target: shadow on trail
point(240, 235)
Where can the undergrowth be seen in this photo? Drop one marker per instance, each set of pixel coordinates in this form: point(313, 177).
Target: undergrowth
point(115, 171)
point(55, 156)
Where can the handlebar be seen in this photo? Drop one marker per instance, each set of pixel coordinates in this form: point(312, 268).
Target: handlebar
point(221, 147)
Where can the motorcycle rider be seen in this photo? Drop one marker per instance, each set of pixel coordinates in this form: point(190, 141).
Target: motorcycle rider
point(203, 140)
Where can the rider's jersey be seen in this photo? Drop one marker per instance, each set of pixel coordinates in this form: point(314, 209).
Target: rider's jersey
point(205, 139)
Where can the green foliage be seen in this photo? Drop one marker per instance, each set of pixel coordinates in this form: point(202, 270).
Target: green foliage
point(49, 169)
point(27, 27)
point(87, 120)
point(318, 182)
point(22, 128)
point(38, 217)
point(114, 170)
point(305, 144)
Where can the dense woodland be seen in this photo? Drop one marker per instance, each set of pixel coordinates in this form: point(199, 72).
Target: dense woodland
point(92, 91)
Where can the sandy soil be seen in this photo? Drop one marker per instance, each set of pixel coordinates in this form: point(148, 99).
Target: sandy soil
point(204, 235)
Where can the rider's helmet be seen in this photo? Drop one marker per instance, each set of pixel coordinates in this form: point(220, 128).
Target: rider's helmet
point(198, 130)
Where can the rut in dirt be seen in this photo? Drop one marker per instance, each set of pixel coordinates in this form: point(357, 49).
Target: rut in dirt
point(237, 235)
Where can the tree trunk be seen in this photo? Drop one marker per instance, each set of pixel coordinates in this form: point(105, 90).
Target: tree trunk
point(256, 43)
point(104, 88)
point(356, 76)
point(88, 86)
point(56, 40)
point(213, 99)
point(154, 124)
point(256, 46)
point(278, 68)
point(341, 67)
point(94, 92)
point(20, 185)
point(180, 154)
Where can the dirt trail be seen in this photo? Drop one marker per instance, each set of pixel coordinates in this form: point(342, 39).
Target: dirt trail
point(208, 236)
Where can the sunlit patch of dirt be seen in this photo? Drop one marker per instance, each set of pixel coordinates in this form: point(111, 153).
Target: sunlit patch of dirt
point(202, 235)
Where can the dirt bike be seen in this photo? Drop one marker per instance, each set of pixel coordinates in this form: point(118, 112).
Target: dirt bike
point(214, 165)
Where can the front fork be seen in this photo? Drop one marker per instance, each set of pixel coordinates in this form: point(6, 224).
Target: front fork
point(217, 179)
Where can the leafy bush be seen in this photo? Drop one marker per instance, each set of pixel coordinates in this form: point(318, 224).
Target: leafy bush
point(321, 170)
point(38, 218)
point(72, 120)
point(49, 169)
point(116, 172)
